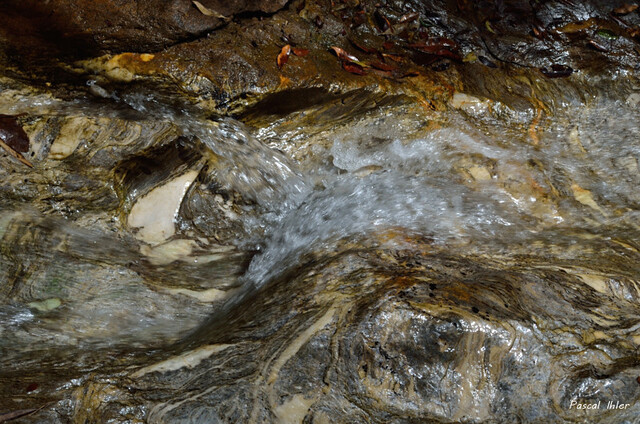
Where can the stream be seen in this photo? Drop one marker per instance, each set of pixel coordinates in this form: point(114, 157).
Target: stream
point(171, 266)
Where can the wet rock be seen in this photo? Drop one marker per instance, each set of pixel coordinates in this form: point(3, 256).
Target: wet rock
point(447, 235)
point(411, 342)
point(123, 26)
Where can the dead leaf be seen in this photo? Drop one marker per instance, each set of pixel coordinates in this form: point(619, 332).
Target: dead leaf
point(31, 387)
point(625, 8)
point(539, 31)
point(385, 74)
point(283, 57)
point(344, 55)
point(557, 71)
point(598, 46)
point(436, 50)
point(362, 47)
point(15, 154)
point(13, 139)
point(383, 66)
point(208, 12)
point(13, 134)
point(409, 17)
point(488, 26)
point(410, 74)
point(353, 68)
point(299, 52)
point(383, 23)
point(394, 57)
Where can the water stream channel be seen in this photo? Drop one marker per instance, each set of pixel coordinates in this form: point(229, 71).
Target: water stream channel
point(363, 258)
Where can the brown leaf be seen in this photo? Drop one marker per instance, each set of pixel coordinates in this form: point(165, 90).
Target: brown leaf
point(557, 71)
point(383, 66)
point(598, 46)
point(410, 74)
point(15, 154)
point(435, 49)
point(409, 17)
point(388, 45)
point(362, 47)
point(394, 57)
point(11, 132)
point(625, 8)
point(449, 54)
point(344, 55)
point(385, 74)
point(354, 68)
point(383, 23)
point(539, 31)
point(283, 57)
point(299, 52)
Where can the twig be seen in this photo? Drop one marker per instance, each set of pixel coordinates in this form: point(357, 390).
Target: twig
point(15, 154)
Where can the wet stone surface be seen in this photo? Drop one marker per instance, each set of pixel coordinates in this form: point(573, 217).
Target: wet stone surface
point(319, 212)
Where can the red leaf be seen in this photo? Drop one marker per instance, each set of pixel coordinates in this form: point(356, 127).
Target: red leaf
point(353, 68)
point(283, 57)
point(388, 45)
point(449, 54)
point(12, 134)
point(300, 52)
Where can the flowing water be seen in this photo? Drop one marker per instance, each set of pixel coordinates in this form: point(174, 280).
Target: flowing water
point(464, 182)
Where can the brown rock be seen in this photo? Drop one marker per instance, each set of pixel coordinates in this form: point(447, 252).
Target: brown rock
point(119, 25)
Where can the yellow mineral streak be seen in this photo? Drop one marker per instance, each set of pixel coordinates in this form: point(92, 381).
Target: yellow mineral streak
point(153, 214)
point(295, 346)
point(188, 360)
point(586, 198)
point(293, 410)
point(204, 296)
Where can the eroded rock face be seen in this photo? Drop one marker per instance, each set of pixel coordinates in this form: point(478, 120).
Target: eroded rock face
point(441, 229)
point(131, 26)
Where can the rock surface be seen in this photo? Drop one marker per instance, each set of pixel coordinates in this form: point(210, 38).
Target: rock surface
point(427, 213)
